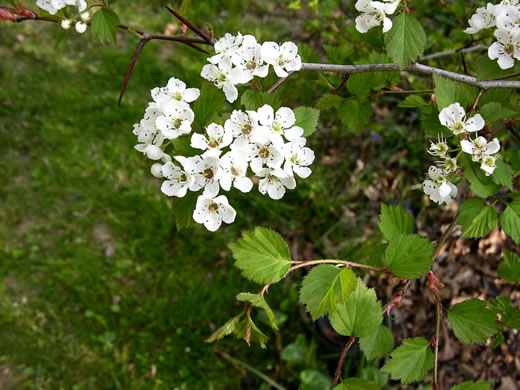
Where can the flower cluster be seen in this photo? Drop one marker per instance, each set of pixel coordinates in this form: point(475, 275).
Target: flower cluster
point(264, 142)
point(80, 22)
point(437, 186)
point(373, 13)
point(239, 58)
point(505, 17)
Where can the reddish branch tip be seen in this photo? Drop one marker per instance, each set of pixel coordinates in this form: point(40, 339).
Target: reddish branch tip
point(6, 15)
point(22, 11)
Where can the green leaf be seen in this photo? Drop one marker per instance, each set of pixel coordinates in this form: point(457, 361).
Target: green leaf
point(210, 101)
point(325, 286)
point(470, 385)
point(494, 111)
point(411, 361)
point(182, 147)
point(307, 119)
point(225, 330)
point(498, 340)
point(314, 380)
point(509, 270)
point(510, 221)
point(183, 209)
point(328, 101)
point(448, 92)
point(360, 315)
point(412, 101)
point(503, 175)
point(293, 353)
point(394, 221)
point(409, 256)
point(477, 218)
point(355, 114)
point(510, 315)
point(360, 84)
point(104, 25)
point(356, 384)
point(262, 255)
point(472, 322)
point(253, 99)
point(406, 39)
point(247, 330)
point(378, 344)
point(481, 184)
point(258, 300)
point(429, 117)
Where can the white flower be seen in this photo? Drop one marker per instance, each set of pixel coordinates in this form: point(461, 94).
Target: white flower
point(81, 27)
point(48, 6)
point(234, 169)
point(53, 6)
point(245, 128)
point(223, 77)
point(274, 182)
point(145, 130)
point(212, 211)
point(156, 170)
point(488, 164)
point(279, 124)
point(507, 47)
point(506, 16)
point(483, 18)
point(438, 188)
point(454, 118)
point(65, 24)
point(206, 173)
point(85, 16)
point(177, 119)
point(479, 147)
point(440, 148)
point(298, 158)
point(175, 90)
point(373, 14)
point(283, 58)
point(248, 58)
point(153, 152)
point(264, 155)
point(178, 181)
point(224, 48)
point(217, 138)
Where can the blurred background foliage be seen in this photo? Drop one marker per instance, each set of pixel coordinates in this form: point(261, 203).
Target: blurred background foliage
point(98, 290)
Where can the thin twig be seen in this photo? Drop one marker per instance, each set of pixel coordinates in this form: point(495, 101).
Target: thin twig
point(301, 264)
point(475, 102)
point(444, 236)
point(436, 350)
point(507, 76)
point(342, 360)
point(452, 52)
point(384, 91)
point(192, 27)
point(279, 82)
point(341, 85)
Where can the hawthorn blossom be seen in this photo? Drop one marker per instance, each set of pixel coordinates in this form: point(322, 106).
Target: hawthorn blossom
point(298, 158)
point(81, 27)
point(373, 14)
point(211, 211)
point(176, 119)
point(439, 148)
point(488, 164)
point(234, 170)
point(223, 77)
point(274, 181)
point(506, 48)
point(245, 128)
point(483, 18)
point(65, 24)
point(283, 58)
point(248, 59)
point(480, 148)
point(264, 155)
point(205, 171)
point(438, 188)
point(153, 152)
point(217, 138)
point(178, 181)
point(224, 49)
point(53, 6)
point(156, 170)
point(279, 124)
point(506, 15)
point(454, 118)
point(175, 90)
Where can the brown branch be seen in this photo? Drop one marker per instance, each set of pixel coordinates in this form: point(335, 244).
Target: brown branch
point(192, 27)
point(137, 52)
point(279, 82)
point(342, 360)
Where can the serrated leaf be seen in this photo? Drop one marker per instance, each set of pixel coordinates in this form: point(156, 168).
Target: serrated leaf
point(247, 330)
point(104, 25)
point(253, 99)
point(510, 221)
point(498, 340)
point(494, 111)
point(210, 101)
point(355, 114)
point(509, 270)
point(360, 315)
point(409, 256)
point(394, 221)
point(429, 117)
point(293, 353)
point(328, 101)
point(360, 84)
point(470, 385)
point(412, 101)
point(356, 384)
point(411, 361)
point(472, 322)
point(224, 330)
point(325, 286)
point(482, 223)
point(468, 210)
point(262, 256)
point(481, 184)
point(183, 209)
point(258, 300)
point(307, 119)
point(378, 344)
point(503, 175)
point(510, 315)
point(448, 92)
point(406, 39)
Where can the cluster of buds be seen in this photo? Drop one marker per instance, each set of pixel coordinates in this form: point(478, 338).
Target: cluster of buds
point(373, 13)
point(80, 21)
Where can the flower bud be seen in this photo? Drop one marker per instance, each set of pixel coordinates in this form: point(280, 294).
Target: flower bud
point(81, 27)
point(157, 170)
point(65, 24)
point(5, 15)
point(153, 152)
point(85, 16)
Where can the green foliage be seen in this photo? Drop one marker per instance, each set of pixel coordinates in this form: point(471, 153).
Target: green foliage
point(411, 361)
point(448, 92)
point(104, 25)
point(293, 353)
point(355, 114)
point(183, 209)
point(210, 102)
point(409, 256)
point(412, 101)
point(360, 315)
point(472, 322)
point(470, 385)
point(494, 111)
point(324, 286)
point(307, 119)
point(356, 384)
point(503, 174)
point(481, 184)
point(262, 256)
point(314, 380)
point(406, 39)
point(477, 218)
point(378, 344)
point(258, 300)
point(253, 99)
point(510, 315)
point(394, 221)
point(247, 330)
point(509, 270)
point(510, 220)
point(225, 330)
point(328, 101)
point(430, 123)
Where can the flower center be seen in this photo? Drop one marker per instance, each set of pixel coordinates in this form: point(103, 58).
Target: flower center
point(176, 123)
point(246, 129)
point(177, 96)
point(250, 65)
point(213, 207)
point(213, 143)
point(182, 178)
point(263, 153)
point(281, 60)
point(294, 159)
point(234, 171)
point(509, 48)
point(208, 173)
point(459, 126)
point(276, 127)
